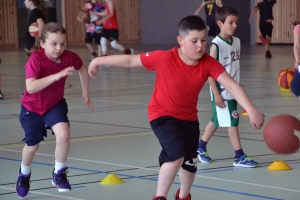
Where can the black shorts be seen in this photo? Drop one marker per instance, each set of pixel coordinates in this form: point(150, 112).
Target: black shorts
point(266, 29)
point(111, 34)
point(178, 138)
point(30, 41)
point(89, 37)
point(213, 29)
point(35, 125)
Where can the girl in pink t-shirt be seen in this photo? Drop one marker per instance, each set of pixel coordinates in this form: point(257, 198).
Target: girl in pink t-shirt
point(295, 84)
point(43, 104)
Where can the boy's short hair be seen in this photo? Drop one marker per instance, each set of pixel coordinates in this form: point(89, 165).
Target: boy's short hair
point(225, 11)
point(190, 23)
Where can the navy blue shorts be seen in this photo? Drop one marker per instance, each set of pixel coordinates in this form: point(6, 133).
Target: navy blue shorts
point(295, 84)
point(178, 138)
point(35, 125)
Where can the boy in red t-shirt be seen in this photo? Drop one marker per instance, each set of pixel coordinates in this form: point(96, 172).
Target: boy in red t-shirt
point(180, 75)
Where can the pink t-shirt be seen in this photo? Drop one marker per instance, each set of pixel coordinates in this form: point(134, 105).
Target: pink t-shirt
point(297, 29)
point(39, 66)
point(177, 84)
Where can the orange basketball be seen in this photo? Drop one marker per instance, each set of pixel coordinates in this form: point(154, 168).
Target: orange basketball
point(34, 29)
point(285, 77)
point(279, 134)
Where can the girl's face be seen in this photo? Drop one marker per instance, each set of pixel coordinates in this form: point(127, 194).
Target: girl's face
point(28, 3)
point(54, 45)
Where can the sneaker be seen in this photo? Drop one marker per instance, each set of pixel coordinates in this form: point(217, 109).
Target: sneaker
point(93, 56)
point(244, 161)
point(23, 184)
point(60, 180)
point(263, 40)
point(203, 156)
point(1, 95)
point(128, 51)
point(268, 54)
point(159, 198)
point(177, 196)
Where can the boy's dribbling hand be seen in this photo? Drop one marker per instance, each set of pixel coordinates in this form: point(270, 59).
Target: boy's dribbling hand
point(63, 73)
point(88, 101)
point(92, 70)
point(257, 119)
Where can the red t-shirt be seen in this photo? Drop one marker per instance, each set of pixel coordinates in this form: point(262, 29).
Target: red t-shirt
point(177, 84)
point(111, 23)
point(39, 66)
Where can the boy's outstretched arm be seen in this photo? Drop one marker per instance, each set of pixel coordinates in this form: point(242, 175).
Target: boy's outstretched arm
point(116, 60)
point(252, 14)
point(200, 8)
point(256, 118)
point(84, 79)
point(220, 3)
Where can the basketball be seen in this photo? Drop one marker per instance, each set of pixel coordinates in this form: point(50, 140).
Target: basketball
point(285, 77)
point(83, 17)
point(34, 29)
point(279, 134)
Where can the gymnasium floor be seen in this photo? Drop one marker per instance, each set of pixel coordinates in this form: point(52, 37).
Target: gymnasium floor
point(117, 138)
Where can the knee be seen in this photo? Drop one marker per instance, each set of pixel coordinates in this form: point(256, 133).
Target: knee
point(32, 149)
point(178, 163)
point(63, 136)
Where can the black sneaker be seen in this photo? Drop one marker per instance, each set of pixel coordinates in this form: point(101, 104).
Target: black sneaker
point(23, 184)
point(268, 54)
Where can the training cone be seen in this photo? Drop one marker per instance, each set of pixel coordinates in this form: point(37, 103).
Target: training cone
point(244, 112)
point(111, 179)
point(284, 90)
point(279, 165)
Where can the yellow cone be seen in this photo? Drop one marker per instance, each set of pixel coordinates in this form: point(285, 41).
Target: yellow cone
point(279, 165)
point(111, 179)
point(244, 112)
point(284, 90)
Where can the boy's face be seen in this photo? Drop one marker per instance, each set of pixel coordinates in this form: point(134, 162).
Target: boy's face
point(229, 25)
point(193, 45)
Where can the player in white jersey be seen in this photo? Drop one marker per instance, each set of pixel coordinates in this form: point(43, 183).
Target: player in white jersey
point(226, 49)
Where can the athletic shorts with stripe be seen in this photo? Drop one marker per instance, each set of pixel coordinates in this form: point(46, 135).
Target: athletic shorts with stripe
point(225, 117)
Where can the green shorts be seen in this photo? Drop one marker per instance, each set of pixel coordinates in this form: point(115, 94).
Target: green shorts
point(225, 117)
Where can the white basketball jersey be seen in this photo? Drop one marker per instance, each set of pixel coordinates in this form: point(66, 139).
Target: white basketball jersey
point(228, 54)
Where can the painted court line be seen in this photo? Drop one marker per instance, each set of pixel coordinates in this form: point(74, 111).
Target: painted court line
point(44, 194)
point(157, 170)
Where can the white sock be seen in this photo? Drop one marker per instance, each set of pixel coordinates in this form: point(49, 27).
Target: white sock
point(58, 166)
point(25, 170)
point(103, 45)
point(114, 44)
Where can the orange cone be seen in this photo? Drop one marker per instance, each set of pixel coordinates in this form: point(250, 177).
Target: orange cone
point(244, 112)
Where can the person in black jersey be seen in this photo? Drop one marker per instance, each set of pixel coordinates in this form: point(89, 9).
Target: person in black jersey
point(36, 15)
point(265, 23)
point(210, 7)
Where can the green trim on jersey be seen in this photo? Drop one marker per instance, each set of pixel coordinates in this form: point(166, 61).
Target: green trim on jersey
point(217, 46)
point(226, 41)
